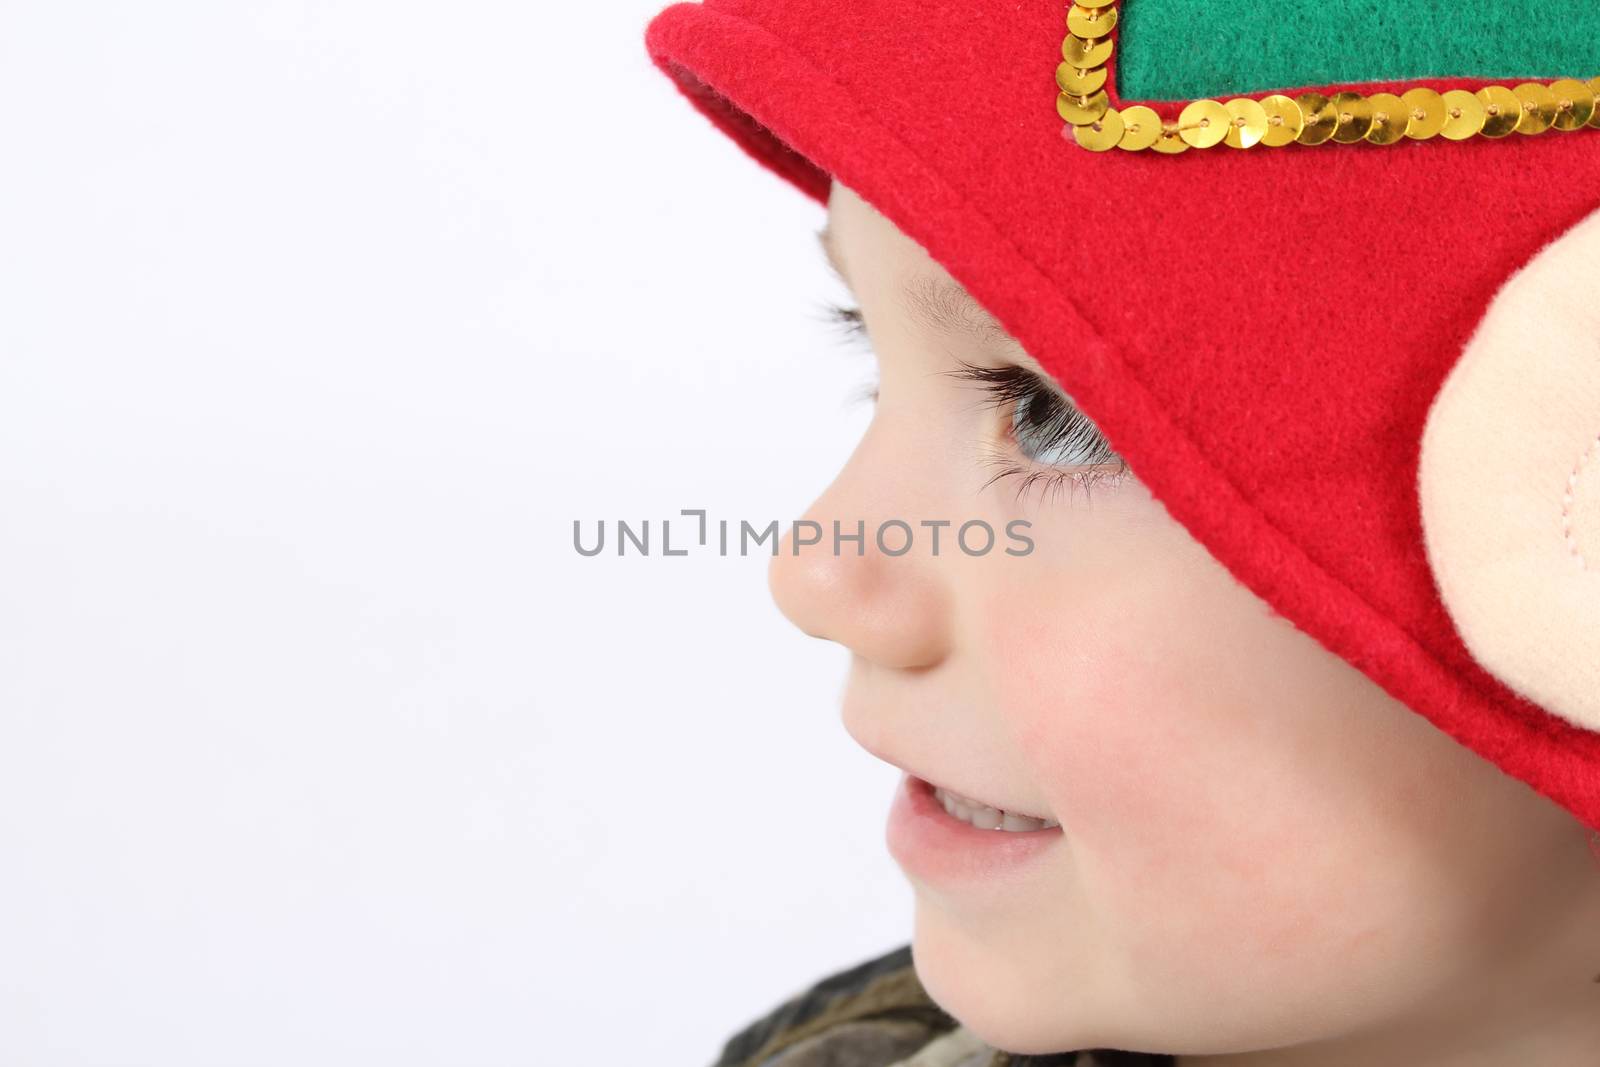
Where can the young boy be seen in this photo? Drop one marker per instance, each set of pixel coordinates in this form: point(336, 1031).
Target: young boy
point(1280, 745)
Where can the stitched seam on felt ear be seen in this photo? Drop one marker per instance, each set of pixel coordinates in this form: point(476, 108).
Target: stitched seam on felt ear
point(1519, 708)
point(1566, 503)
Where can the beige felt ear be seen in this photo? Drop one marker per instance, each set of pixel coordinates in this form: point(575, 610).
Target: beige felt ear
point(1509, 482)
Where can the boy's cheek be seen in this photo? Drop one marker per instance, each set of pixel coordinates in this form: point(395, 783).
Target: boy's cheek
point(1199, 825)
point(1140, 745)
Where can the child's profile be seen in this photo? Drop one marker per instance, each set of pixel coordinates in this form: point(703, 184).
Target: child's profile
point(1144, 809)
point(1259, 848)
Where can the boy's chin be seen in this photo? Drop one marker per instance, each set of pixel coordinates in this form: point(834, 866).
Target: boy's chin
point(964, 981)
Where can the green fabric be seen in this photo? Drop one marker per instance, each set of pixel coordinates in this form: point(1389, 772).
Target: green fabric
point(1185, 49)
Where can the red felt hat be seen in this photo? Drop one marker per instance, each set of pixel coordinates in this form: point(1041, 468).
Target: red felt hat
point(1364, 373)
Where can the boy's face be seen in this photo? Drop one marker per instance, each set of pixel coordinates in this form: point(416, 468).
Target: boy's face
point(1258, 846)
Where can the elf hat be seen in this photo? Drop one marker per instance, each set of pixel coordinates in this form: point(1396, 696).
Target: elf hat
point(1324, 275)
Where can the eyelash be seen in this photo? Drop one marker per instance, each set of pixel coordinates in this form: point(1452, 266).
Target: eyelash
point(1006, 388)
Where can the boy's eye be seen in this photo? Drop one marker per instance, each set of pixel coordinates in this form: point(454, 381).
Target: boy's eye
point(1046, 428)
point(1061, 446)
point(848, 320)
point(852, 327)
point(1051, 435)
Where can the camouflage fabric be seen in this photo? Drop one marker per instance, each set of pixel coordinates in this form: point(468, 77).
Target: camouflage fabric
point(876, 1014)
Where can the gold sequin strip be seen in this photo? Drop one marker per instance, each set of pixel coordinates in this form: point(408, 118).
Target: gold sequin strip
point(1310, 118)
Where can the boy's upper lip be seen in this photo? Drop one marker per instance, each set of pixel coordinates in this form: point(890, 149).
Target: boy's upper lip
point(944, 784)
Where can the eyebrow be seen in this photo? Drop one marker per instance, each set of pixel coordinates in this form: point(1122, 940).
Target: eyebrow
point(935, 303)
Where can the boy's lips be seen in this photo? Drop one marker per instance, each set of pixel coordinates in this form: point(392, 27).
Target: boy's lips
point(935, 847)
point(964, 795)
point(937, 783)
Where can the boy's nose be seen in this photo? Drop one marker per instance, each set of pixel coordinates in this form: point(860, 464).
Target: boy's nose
point(889, 606)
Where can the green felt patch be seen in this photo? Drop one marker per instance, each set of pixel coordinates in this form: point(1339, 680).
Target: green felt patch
point(1185, 49)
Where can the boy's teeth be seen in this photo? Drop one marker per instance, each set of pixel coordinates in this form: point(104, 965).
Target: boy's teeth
point(986, 818)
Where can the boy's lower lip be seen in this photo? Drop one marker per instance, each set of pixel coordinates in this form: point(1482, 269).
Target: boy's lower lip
point(930, 843)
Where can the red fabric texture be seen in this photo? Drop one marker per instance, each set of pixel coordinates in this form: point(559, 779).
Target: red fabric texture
point(1259, 333)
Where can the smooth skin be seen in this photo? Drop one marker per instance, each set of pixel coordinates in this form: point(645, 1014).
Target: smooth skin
point(1265, 860)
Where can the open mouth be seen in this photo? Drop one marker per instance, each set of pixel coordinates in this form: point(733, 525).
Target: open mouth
point(985, 816)
point(965, 843)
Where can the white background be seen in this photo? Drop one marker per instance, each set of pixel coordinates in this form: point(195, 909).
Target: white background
point(319, 744)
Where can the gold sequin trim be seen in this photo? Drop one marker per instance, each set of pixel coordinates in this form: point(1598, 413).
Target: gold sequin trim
point(1276, 120)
